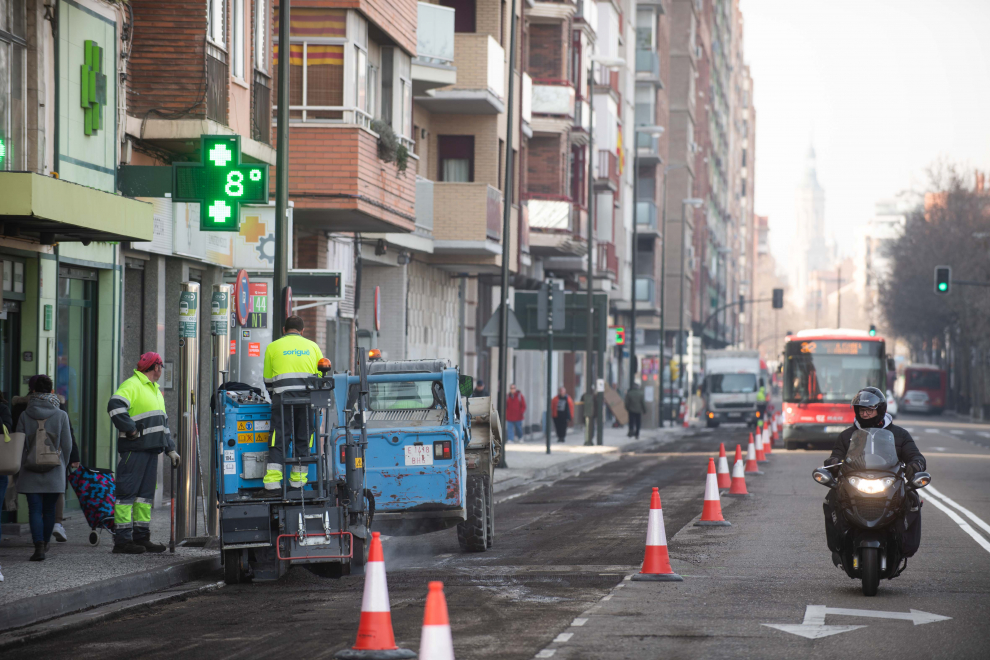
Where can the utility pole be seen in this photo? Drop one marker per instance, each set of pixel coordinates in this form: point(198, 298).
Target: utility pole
point(281, 275)
point(549, 286)
point(503, 330)
point(590, 310)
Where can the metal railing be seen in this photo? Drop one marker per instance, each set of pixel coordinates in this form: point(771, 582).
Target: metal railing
point(645, 289)
point(646, 216)
point(435, 33)
point(608, 259)
point(648, 62)
point(343, 114)
point(217, 79)
point(261, 108)
point(493, 214)
point(608, 168)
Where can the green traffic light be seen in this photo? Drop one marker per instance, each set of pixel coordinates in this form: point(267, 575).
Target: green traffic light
point(943, 286)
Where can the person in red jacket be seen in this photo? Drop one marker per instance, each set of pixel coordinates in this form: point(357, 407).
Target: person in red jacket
point(515, 412)
point(562, 411)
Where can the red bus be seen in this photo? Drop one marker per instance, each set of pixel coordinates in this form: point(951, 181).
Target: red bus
point(823, 370)
point(925, 389)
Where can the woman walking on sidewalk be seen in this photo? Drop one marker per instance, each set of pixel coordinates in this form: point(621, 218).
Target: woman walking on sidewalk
point(43, 488)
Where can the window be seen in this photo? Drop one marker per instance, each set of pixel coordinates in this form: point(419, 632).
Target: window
point(13, 92)
point(261, 35)
point(464, 14)
point(501, 163)
point(456, 156)
point(406, 128)
point(316, 65)
point(237, 39)
point(372, 106)
point(216, 18)
point(646, 23)
point(361, 78)
point(388, 63)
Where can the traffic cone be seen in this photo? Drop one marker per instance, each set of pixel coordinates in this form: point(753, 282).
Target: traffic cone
point(752, 467)
point(760, 457)
point(738, 487)
point(684, 415)
point(375, 640)
point(436, 642)
point(724, 478)
point(656, 563)
point(711, 512)
point(768, 443)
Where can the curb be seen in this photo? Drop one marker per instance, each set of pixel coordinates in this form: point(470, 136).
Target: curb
point(35, 609)
point(582, 463)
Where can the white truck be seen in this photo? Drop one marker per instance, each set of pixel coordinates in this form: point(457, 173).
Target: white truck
point(730, 386)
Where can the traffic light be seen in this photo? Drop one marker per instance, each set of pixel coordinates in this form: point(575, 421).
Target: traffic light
point(778, 299)
point(873, 330)
point(620, 335)
point(943, 277)
point(220, 183)
point(742, 304)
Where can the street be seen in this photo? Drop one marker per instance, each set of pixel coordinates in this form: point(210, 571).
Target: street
point(556, 585)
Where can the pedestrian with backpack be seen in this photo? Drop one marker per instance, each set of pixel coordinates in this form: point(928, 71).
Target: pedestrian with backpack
point(47, 446)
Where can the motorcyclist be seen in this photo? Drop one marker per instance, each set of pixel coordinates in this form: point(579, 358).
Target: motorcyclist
point(870, 407)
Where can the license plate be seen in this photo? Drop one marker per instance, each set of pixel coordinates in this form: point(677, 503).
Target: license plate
point(419, 455)
point(835, 429)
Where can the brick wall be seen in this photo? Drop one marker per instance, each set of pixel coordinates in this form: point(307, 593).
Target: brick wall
point(547, 48)
point(167, 69)
point(545, 166)
point(396, 18)
point(460, 211)
point(337, 167)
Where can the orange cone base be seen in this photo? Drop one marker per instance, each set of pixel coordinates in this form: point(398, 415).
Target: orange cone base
point(754, 473)
point(713, 523)
point(354, 654)
point(657, 577)
point(731, 494)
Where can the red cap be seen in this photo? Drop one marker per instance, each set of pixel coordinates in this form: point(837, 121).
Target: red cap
point(148, 360)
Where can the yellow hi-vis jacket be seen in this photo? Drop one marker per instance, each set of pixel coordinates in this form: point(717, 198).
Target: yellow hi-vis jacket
point(289, 361)
point(138, 405)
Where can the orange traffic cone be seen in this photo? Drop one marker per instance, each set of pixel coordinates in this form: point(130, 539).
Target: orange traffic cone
point(656, 563)
point(375, 638)
point(768, 442)
point(436, 642)
point(738, 488)
point(711, 512)
point(724, 478)
point(752, 467)
point(684, 414)
point(760, 456)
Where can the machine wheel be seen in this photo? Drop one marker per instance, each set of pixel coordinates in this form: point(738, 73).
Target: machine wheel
point(490, 509)
point(233, 567)
point(94, 538)
point(870, 560)
point(472, 534)
point(360, 558)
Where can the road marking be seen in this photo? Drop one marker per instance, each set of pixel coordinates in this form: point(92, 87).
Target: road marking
point(813, 626)
point(955, 432)
point(546, 653)
point(983, 434)
point(969, 514)
point(563, 637)
point(931, 430)
point(608, 597)
point(937, 448)
point(578, 622)
point(962, 523)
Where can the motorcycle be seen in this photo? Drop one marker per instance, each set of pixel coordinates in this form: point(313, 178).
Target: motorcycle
point(872, 501)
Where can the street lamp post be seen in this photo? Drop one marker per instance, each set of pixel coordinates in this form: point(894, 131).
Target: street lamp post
point(652, 131)
point(663, 283)
point(693, 202)
point(608, 62)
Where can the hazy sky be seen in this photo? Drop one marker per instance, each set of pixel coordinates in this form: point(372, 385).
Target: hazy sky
point(882, 87)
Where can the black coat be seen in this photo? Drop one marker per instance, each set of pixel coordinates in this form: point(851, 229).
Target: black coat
point(907, 451)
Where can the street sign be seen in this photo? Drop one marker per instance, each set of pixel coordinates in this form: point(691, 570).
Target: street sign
point(492, 329)
point(573, 336)
point(316, 283)
point(542, 302)
point(220, 183)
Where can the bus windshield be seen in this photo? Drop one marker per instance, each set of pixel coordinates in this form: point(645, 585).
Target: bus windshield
point(830, 370)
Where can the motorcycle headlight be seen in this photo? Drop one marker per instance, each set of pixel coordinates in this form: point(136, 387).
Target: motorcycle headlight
point(871, 486)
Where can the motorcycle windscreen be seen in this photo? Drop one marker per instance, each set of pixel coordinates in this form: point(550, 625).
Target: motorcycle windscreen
point(872, 449)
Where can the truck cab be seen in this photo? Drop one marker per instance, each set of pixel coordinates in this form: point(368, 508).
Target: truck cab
point(730, 385)
point(430, 452)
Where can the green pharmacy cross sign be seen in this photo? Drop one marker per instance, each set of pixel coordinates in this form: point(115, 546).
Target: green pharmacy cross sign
point(92, 87)
point(220, 183)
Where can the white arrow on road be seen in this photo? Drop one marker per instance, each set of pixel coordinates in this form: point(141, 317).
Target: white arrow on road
point(813, 626)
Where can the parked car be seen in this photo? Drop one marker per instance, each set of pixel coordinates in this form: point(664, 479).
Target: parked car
point(891, 404)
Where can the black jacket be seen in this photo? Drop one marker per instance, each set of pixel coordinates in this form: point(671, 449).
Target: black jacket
point(907, 451)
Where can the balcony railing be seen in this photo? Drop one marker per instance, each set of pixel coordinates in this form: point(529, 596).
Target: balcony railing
point(261, 108)
point(424, 204)
point(328, 114)
point(526, 109)
point(608, 259)
point(648, 63)
point(647, 147)
point(435, 33)
point(645, 289)
point(217, 79)
point(608, 168)
point(493, 214)
point(646, 216)
point(524, 228)
point(553, 99)
point(551, 214)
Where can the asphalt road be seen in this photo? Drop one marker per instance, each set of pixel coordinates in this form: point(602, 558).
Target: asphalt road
point(562, 556)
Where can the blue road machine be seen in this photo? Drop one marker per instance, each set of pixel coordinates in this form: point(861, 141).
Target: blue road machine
point(264, 532)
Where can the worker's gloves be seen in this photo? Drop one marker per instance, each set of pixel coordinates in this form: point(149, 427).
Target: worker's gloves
point(131, 435)
point(174, 457)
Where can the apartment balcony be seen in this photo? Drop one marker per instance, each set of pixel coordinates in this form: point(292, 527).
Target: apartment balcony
point(433, 65)
point(586, 16)
point(556, 233)
point(217, 77)
point(648, 67)
point(581, 129)
point(338, 183)
point(648, 149)
point(261, 108)
point(607, 171)
point(607, 82)
point(646, 290)
point(480, 85)
point(647, 220)
point(555, 98)
point(607, 261)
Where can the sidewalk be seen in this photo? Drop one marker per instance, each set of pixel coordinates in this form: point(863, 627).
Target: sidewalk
point(529, 462)
point(76, 575)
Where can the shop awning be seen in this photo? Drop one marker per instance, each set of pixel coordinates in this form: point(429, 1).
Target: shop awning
point(32, 205)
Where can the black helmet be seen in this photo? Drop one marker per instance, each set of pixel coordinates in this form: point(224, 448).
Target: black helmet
point(873, 398)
